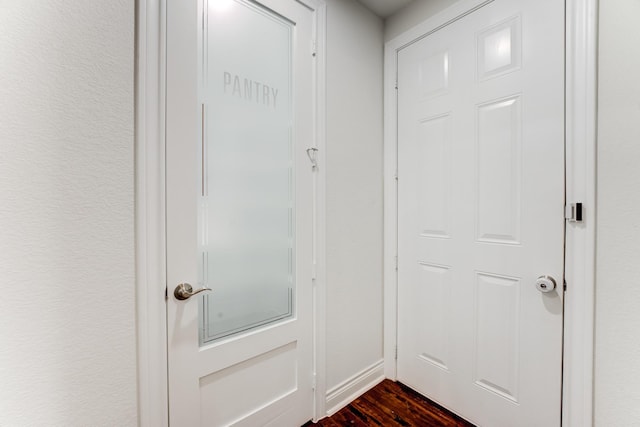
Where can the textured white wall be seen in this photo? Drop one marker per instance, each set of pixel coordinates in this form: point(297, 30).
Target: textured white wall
point(617, 370)
point(354, 190)
point(67, 320)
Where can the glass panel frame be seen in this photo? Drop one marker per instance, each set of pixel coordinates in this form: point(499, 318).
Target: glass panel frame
point(247, 205)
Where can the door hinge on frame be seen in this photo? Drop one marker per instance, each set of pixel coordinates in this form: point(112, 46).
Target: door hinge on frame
point(396, 353)
point(314, 381)
point(574, 212)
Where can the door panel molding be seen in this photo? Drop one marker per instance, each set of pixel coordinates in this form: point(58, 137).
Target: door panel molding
point(150, 221)
point(580, 119)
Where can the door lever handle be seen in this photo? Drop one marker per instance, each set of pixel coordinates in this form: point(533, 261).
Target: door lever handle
point(185, 291)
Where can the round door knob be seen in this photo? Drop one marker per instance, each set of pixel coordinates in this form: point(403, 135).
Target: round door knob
point(545, 284)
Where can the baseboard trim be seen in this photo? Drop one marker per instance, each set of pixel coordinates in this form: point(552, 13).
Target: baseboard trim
point(344, 393)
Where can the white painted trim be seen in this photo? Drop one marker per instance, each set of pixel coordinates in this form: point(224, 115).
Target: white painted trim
point(150, 212)
point(581, 92)
point(345, 392)
point(454, 12)
point(319, 9)
point(581, 119)
point(390, 212)
point(150, 215)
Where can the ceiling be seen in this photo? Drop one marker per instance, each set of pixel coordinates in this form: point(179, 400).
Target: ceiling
point(385, 8)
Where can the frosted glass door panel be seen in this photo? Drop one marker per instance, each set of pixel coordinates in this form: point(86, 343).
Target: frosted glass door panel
point(247, 206)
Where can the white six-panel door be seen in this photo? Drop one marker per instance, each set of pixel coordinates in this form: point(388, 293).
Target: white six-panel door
point(480, 213)
point(239, 212)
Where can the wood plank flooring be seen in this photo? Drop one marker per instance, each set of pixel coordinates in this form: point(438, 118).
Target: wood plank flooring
point(392, 404)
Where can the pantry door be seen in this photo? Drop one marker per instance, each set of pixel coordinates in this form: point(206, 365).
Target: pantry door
point(481, 214)
point(239, 212)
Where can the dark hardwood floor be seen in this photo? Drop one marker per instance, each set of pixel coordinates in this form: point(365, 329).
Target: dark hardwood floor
point(392, 404)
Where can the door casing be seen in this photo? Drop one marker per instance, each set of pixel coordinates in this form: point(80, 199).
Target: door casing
point(150, 221)
point(580, 145)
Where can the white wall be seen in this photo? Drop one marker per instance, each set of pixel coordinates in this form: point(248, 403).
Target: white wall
point(67, 321)
point(411, 15)
point(617, 373)
point(354, 191)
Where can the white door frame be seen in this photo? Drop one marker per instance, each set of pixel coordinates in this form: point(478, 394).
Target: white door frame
point(580, 140)
point(150, 219)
